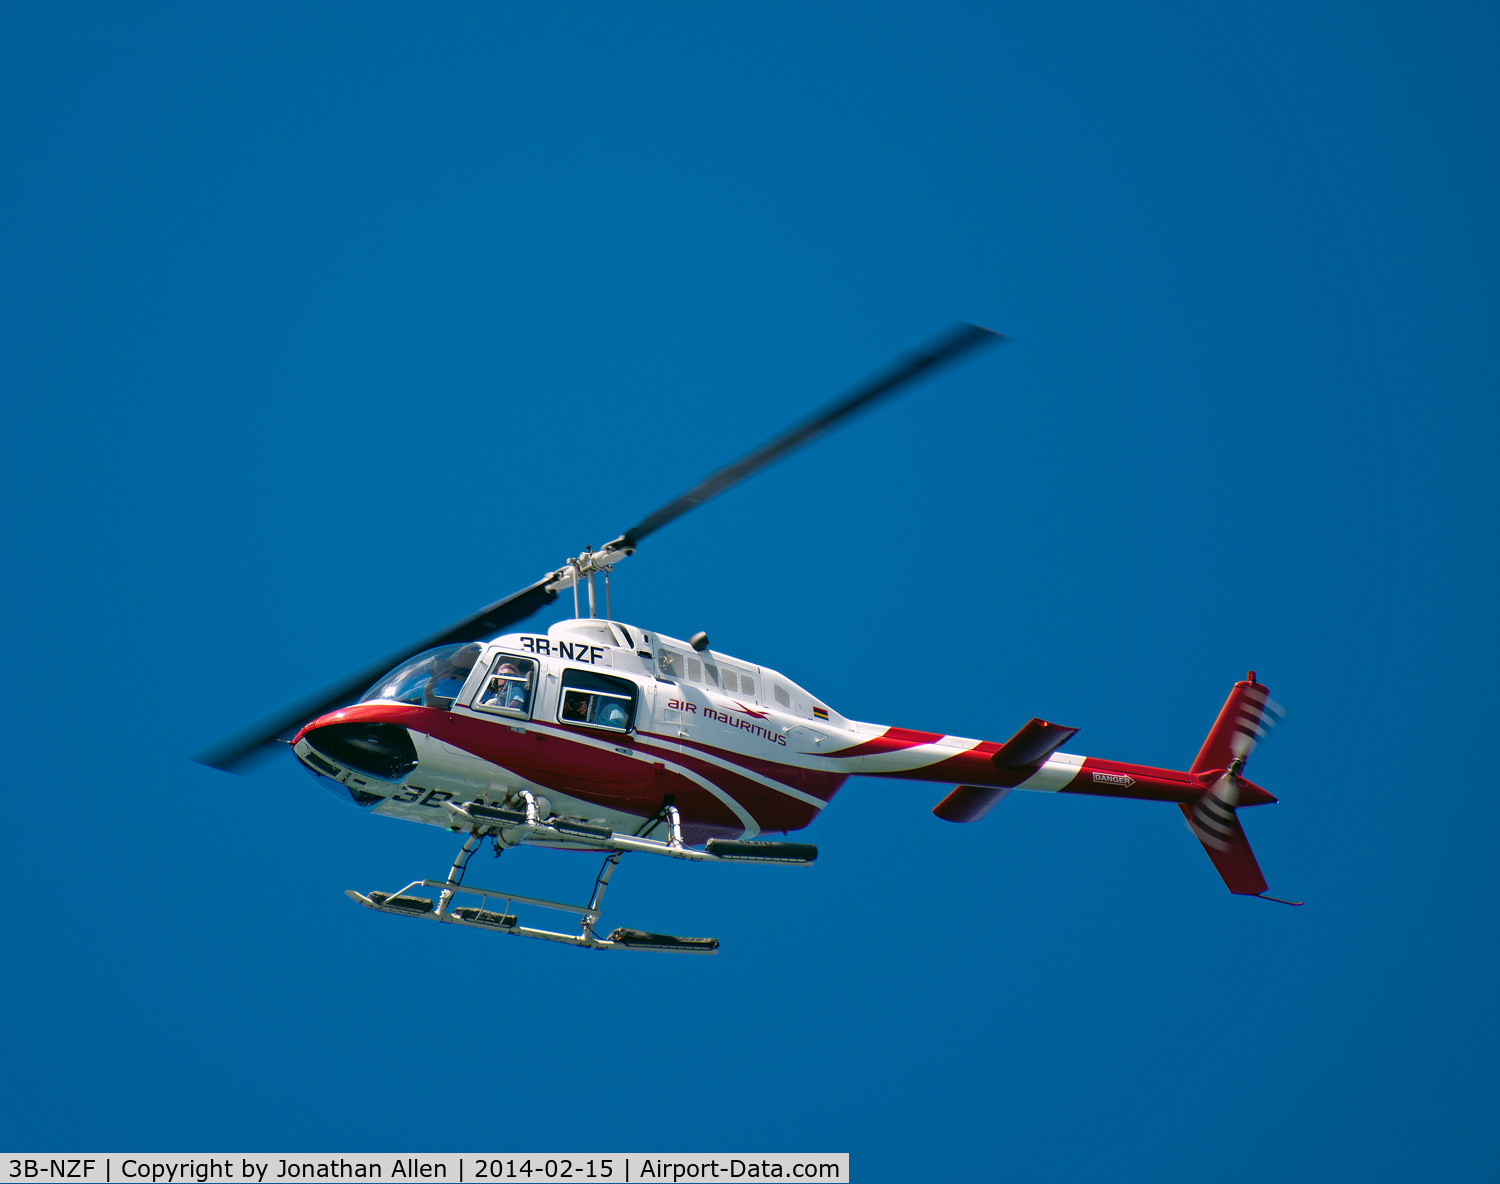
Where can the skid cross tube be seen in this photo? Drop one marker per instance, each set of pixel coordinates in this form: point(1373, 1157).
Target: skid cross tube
point(508, 897)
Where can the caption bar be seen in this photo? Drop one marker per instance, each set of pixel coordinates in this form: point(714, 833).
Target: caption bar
point(532, 1167)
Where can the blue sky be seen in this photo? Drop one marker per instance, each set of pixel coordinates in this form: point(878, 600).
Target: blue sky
point(325, 324)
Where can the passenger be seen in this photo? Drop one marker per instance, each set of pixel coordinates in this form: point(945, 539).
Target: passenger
point(611, 714)
point(576, 708)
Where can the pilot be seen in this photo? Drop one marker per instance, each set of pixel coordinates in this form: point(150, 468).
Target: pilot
point(507, 689)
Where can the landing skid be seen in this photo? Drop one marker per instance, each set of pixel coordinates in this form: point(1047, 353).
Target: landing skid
point(406, 904)
point(524, 825)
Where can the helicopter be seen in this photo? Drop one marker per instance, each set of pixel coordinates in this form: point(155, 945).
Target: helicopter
point(603, 736)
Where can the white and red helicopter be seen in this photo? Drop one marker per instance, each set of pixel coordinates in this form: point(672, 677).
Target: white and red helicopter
point(603, 736)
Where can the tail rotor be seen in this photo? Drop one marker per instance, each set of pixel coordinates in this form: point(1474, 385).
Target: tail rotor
point(1213, 818)
point(1256, 715)
point(1247, 718)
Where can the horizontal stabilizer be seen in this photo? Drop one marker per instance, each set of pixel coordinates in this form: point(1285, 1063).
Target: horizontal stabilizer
point(969, 803)
point(1034, 743)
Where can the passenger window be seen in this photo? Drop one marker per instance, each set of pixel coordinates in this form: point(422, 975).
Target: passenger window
point(596, 701)
point(507, 690)
point(736, 682)
point(670, 664)
point(781, 694)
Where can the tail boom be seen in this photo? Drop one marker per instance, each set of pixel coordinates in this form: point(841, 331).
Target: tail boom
point(1065, 773)
point(1209, 793)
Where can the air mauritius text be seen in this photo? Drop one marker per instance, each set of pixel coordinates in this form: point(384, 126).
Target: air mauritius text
point(732, 721)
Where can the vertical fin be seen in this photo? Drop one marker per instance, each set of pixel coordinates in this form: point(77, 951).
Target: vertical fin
point(1246, 718)
point(1213, 820)
point(1232, 857)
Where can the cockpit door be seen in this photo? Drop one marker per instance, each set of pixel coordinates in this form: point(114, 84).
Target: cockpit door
point(503, 692)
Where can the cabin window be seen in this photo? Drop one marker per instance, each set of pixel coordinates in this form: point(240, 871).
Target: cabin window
point(736, 682)
point(688, 668)
point(507, 689)
point(782, 695)
point(597, 701)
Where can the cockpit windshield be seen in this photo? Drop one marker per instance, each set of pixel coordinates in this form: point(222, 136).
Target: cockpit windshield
point(432, 679)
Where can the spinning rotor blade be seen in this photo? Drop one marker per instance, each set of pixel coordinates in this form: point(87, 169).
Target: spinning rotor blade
point(239, 751)
point(957, 341)
point(1257, 716)
point(234, 754)
point(1213, 818)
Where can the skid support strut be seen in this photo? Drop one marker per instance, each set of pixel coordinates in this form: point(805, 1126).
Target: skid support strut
point(456, 872)
point(601, 882)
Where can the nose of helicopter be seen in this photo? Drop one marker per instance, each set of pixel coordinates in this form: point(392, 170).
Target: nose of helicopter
point(374, 748)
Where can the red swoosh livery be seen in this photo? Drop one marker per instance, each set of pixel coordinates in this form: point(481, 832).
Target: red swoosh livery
point(770, 770)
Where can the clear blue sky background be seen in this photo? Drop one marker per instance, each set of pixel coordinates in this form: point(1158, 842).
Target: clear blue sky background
point(325, 324)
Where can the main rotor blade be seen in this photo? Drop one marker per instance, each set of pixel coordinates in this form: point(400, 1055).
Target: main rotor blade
point(239, 751)
point(957, 341)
